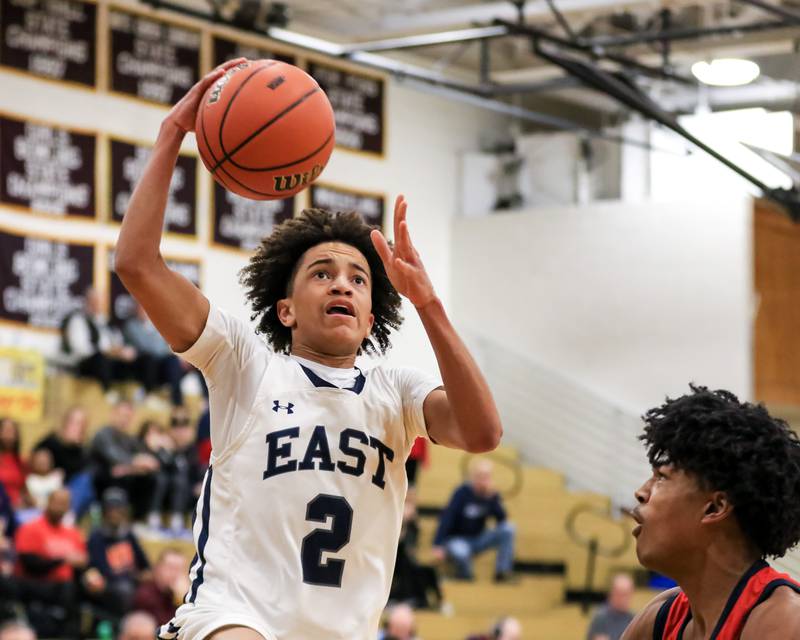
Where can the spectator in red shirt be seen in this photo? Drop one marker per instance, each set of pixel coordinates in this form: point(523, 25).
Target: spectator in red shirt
point(49, 553)
point(160, 595)
point(48, 549)
point(12, 469)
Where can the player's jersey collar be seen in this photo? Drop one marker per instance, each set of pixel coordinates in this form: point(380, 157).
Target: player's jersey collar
point(357, 387)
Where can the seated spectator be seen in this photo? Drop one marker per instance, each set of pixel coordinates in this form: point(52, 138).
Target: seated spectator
point(398, 624)
point(116, 553)
point(611, 620)
point(119, 460)
point(165, 590)
point(67, 446)
point(416, 457)
point(164, 366)
point(16, 630)
point(12, 469)
point(138, 625)
point(95, 349)
point(412, 582)
point(154, 440)
point(503, 629)
point(462, 531)
point(50, 553)
point(188, 467)
point(42, 479)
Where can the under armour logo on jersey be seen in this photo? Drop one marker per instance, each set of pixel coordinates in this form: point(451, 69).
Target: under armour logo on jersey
point(276, 407)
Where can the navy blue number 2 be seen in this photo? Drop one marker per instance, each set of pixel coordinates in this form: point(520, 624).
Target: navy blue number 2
point(315, 571)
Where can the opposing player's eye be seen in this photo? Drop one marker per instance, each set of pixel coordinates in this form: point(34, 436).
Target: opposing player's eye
point(322, 275)
point(359, 280)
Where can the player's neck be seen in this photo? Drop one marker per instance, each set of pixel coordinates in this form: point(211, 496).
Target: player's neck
point(338, 362)
point(708, 588)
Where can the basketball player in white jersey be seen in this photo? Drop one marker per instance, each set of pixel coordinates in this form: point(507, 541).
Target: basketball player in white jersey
point(300, 511)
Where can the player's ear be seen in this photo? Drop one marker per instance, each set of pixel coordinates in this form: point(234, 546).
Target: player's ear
point(285, 310)
point(717, 508)
point(371, 323)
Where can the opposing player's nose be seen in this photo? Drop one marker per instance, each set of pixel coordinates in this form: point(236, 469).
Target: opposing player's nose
point(642, 494)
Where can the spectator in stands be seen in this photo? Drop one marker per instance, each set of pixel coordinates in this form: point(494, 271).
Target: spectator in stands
point(12, 469)
point(611, 620)
point(51, 553)
point(119, 460)
point(189, 470)
point(462, 531)
point(16, 630)
point(504, 629)
point(203, 440)
point(163, 365)
point(42, 479)
point(398, 623)
point(416, 457)
point(8, 587)
point(159, 595)
point(154, 440)
point(116, 553)
point(138, 625)
point(412, 582)
point(97, 351)
point(67, 446)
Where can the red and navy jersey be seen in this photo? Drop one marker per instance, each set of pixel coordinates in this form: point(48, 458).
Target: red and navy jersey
point(755, 586)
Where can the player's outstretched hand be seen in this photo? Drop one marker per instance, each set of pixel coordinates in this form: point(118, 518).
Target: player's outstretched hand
point(402, 262)
point(184, 113)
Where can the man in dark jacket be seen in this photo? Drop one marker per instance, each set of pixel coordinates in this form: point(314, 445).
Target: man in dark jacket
point(462, 531)
point(116, 553)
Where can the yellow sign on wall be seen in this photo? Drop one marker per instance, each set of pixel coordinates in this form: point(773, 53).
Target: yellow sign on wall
point(21, 384)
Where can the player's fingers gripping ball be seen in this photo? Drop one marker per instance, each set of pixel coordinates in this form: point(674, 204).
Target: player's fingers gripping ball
point(265, 129)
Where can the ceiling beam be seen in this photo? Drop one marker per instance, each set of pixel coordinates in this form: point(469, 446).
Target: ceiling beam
point(427, 39)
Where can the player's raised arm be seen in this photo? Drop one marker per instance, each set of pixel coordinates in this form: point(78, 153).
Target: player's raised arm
point(175, 305)
point(463, 414)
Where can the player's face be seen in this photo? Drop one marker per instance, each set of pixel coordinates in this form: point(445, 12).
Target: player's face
point(669, 514)
point(329, 308)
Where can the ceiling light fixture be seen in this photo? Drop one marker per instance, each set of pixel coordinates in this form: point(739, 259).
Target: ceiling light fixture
point(726, 72)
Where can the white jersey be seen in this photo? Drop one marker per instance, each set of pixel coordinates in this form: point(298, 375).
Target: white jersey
point(300, 512)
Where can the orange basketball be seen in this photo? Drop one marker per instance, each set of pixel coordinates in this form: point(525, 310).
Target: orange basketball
point(265, 129)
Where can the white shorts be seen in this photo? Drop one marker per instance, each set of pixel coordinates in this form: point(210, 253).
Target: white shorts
point(197, 622)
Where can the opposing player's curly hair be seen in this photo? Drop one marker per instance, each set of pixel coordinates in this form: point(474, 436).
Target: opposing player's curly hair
point(268, 276)
point(738, 448)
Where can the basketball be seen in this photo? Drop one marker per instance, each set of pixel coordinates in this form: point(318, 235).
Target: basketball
point(265, 130)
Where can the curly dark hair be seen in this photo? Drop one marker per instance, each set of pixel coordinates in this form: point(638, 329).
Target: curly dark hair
point(268, 276)
point(738, 448)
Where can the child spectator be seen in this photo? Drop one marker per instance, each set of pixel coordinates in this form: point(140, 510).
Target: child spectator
point(67, 445)
point(42, 479)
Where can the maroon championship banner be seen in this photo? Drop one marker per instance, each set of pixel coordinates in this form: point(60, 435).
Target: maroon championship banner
point(122, 305)
point(226, 49)
point(127, 165)
point(241, 223)
point(42, 281)
point(357, 102)
point(152, 59)
point(371, 206)
point(47, 169)
point(50, 38)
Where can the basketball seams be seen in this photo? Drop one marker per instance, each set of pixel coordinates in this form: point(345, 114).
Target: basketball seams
point(255, 72)
point(283, 166)
point(269, 123)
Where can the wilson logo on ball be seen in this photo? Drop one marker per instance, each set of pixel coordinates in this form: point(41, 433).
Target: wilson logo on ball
point(287, 183)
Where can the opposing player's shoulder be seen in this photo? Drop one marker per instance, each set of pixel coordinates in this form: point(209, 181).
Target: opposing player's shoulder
point(641, 628)
point(778, 617)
